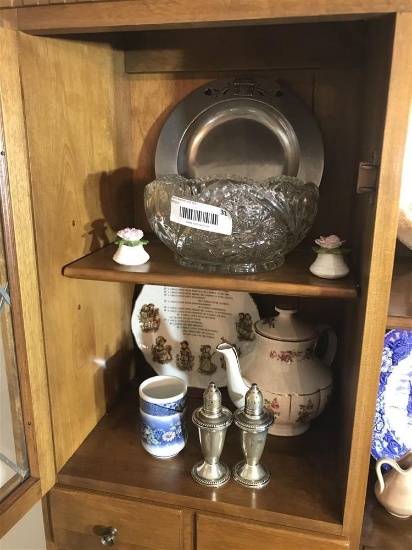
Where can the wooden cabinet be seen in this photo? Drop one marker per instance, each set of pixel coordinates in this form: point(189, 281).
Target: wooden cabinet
point(80, 519)
point(88, 102)
point(223, 533)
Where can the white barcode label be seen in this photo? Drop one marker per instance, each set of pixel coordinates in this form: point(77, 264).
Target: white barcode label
point(200, 216)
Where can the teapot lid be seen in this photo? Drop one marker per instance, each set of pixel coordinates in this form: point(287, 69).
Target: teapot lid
point(285, 327)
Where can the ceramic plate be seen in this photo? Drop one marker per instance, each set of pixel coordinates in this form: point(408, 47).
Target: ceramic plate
point(178, 330)
point(252, 127)
point(392, 433)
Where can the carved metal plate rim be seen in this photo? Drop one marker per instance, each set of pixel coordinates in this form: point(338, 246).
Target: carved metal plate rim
point(264, 97)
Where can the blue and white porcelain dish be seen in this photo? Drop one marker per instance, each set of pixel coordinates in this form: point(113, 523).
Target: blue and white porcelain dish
point(392, 432)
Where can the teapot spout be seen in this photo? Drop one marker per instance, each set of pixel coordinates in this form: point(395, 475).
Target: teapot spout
point(236, 385)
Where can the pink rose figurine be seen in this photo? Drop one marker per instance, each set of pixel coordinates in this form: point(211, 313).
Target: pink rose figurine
point(131, 250)
point(332, 241)
point(329, 263)
point(130, 237)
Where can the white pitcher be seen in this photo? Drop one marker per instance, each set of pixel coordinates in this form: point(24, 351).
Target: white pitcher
point(394, 489)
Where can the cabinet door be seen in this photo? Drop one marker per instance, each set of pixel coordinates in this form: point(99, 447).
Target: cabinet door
point(23, 288)
point(226, 534)
point(79, 520)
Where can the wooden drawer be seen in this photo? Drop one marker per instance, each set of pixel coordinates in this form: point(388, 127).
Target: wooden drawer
point(229, 534)
point(78, 519)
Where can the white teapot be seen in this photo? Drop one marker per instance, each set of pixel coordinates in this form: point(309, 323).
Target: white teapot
point(394, 489)
point(294, 381)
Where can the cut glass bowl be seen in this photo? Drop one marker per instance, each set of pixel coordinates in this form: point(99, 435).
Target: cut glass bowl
point(269, 219)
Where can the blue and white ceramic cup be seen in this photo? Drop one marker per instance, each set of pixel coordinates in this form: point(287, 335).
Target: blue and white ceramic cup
point(162, 401)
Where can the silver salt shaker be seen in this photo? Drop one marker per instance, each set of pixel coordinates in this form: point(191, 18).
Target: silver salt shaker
point(254, 422)
point(212, 420)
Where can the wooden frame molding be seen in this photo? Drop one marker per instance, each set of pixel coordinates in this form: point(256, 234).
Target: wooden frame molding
point(382, 256)
point(135, 14)
point(18, 504)
point(26, 298)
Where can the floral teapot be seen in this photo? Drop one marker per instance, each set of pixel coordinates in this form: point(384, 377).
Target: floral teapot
point(294, 381)
point(394, 489)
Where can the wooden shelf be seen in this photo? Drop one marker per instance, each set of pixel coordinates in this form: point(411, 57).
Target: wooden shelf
point(303, 491)
point(400, 305)
point(293, 278)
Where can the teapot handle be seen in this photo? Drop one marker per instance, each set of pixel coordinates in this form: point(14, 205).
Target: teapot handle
point(332, 344)
point(378, 466)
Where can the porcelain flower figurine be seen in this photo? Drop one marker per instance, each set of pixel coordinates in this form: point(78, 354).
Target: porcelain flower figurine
point(131, 250)
point(329, 263)
point(330, 242)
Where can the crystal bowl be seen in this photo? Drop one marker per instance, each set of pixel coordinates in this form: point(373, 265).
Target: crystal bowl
point(267, 219)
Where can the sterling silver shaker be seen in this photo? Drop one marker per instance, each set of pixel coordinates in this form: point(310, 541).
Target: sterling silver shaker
point(254, 422)
point(212, 420)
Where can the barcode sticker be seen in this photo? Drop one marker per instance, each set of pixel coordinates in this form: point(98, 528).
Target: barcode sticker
point(200, 216)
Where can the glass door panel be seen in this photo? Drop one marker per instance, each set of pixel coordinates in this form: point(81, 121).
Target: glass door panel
point(13, 455)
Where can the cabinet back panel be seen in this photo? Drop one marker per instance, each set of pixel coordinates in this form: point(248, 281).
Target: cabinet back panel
point(82, 193)
point(263, 47)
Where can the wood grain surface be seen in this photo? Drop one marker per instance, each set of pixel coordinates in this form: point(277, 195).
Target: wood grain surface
point(80, 518)
point(377, 291)
point(260, 48)
point(293, 278)
point(240, 534)
point(371, 122)
point(134, 14)
point(19, 503)
point(82, 192)
point(27, 319)
point(9, 359)
point(302, 493)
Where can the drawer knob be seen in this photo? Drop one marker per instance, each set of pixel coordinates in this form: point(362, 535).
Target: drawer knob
point(107, 539)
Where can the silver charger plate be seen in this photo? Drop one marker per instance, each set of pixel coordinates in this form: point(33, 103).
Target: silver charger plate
point(250, 127)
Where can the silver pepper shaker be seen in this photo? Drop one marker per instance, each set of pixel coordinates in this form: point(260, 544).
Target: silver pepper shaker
point(212, 420)
point(254, 422)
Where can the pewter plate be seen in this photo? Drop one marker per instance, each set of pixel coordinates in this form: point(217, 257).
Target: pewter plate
point(249, 127)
